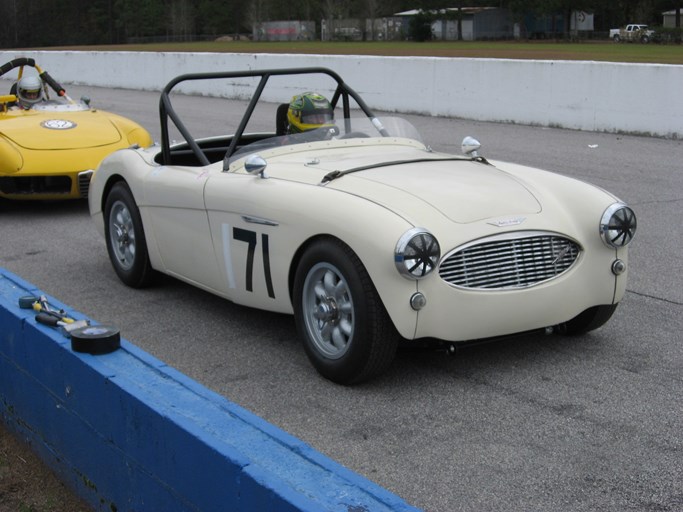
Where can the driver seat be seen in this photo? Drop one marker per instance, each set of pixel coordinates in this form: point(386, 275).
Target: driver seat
point(281, 123)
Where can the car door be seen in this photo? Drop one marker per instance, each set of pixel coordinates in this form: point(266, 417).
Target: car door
point(251, 225)
point(174, 200)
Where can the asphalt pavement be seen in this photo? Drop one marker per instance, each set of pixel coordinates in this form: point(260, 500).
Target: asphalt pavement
point(591, 423)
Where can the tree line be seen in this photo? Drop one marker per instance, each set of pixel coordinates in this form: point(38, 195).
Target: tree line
point(45, 23)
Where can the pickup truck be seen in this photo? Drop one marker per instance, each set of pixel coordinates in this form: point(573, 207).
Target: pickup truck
point(632, 33)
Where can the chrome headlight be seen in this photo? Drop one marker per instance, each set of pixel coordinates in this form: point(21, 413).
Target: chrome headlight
point(618, 225)
point(417, 253)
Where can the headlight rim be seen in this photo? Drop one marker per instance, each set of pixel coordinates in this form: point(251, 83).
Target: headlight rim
point(627, 232)
point(402, 245)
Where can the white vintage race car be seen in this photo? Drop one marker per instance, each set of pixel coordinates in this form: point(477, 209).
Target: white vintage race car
point(363, 232)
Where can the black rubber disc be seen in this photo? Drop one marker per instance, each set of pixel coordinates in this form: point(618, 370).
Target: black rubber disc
point(95, 339)
point(27, 301)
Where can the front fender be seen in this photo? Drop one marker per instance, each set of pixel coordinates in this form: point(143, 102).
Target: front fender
point(11, 160)
point(372, 232)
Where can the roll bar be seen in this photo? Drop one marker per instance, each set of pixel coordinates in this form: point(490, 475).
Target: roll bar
point(20, 62)
point(166, 111)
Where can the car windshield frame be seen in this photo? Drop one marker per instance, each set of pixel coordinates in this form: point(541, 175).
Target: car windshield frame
point(60, 105)
point(343, 95)
point(344, 129)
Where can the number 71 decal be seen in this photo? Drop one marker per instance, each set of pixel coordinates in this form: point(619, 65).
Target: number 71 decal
point(250, 237)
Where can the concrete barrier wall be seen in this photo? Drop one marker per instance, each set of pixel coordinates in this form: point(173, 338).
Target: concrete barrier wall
point(594, 96)
point(127, 432)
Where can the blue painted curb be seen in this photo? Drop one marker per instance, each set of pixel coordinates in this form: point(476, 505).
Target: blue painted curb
point(128, 432)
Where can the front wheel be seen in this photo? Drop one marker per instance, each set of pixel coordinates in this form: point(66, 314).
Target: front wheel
point(347, 333)
point(125, 238)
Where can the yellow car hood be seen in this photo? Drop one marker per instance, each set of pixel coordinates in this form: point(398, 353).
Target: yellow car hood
point(60, 130)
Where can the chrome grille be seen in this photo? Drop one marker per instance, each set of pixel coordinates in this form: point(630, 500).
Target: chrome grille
point(509, 261)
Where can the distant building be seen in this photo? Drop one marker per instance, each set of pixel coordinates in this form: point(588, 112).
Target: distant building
point(354, 29)
point(478, 23)
point(341, 30)
point(549, 26)
point(581, 21)
point(670, 18)
point(284, 31)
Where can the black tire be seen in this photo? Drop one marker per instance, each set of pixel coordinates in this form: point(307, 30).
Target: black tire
point(27, 301)
point(616, 39)
point(589, 320)
point(125, 238)
point(347, 333)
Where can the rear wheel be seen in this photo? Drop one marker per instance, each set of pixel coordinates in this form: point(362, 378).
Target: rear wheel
point(125, 238)
point(347, 333)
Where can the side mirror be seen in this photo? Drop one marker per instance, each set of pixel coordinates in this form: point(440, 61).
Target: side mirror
point(470, 146)
point(255, 164)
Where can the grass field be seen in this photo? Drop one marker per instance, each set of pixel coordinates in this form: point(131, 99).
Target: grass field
point(595, 51)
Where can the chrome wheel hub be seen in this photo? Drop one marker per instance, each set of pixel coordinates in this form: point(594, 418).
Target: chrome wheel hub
point(327, 311)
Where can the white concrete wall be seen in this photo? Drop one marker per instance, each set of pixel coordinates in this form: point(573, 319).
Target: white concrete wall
point(593, 96)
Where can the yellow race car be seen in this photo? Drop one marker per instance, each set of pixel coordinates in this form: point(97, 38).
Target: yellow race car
point(49, 147)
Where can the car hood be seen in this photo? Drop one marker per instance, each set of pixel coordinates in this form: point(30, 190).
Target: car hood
point(411, 184)
point(60, 130)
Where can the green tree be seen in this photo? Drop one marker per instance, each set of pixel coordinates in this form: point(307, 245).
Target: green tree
point(214, 17)
point(421, 26)
point(138, 18)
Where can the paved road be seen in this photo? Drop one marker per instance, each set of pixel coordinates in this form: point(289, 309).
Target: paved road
point(593, 423)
